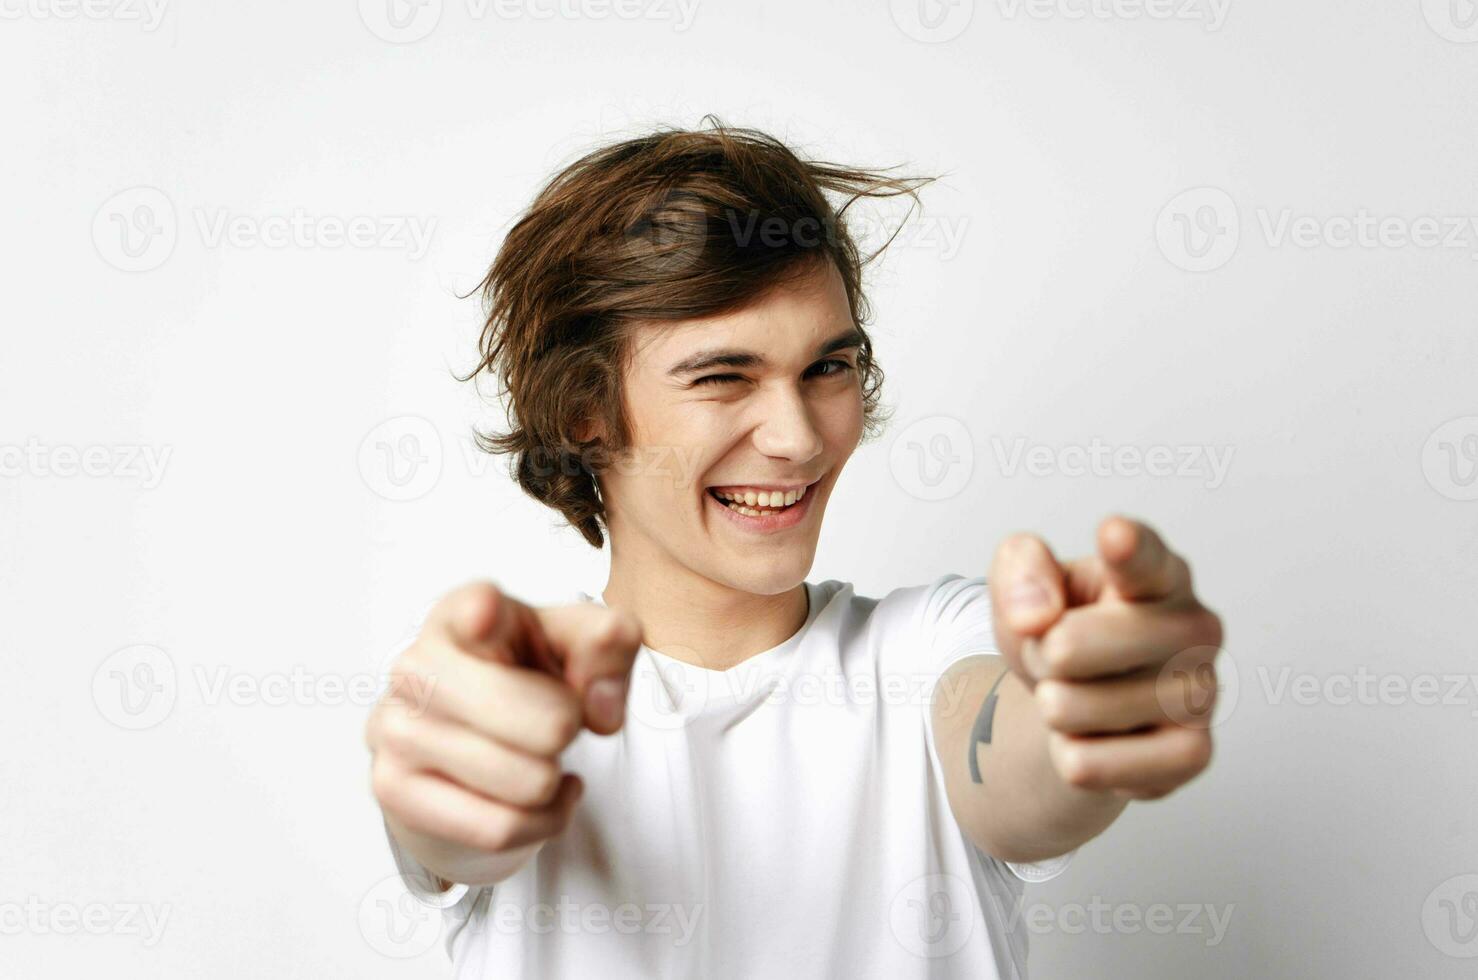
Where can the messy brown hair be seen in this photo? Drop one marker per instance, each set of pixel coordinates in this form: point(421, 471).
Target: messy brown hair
point(673, 225)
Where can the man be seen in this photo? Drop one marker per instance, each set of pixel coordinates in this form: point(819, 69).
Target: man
point(718, 768)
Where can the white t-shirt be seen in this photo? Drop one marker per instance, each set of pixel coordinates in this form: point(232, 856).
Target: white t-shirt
point(784, 818)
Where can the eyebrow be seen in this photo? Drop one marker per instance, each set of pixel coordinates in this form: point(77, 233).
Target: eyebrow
point(737, 358)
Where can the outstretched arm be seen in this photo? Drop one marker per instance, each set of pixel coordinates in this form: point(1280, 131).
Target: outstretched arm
point(1102, 694)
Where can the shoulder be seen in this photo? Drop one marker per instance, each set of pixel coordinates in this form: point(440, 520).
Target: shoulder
point(947, 609)
point(942, 598)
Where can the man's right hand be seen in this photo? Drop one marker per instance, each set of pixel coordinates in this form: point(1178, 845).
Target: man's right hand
point(467, 740)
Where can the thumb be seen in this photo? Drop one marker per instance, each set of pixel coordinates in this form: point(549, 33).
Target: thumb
point(1028, 594)
point(597, 647)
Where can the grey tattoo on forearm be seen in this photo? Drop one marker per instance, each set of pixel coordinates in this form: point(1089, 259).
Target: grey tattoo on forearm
point(982, 728)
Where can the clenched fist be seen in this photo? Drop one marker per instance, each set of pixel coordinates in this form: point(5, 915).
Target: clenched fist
point(468, 737)
point(1119, 655)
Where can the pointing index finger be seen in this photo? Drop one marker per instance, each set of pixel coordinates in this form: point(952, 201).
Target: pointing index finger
point(1137, 563)
point(488, 623)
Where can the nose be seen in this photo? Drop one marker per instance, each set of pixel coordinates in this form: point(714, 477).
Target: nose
point(785, 430)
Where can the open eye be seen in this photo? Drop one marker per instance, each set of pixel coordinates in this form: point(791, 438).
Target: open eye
point(837, 365)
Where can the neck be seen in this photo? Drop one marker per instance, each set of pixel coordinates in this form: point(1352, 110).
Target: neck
point(699, 621)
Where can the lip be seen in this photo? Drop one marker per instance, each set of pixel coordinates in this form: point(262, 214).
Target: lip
point(770, 523)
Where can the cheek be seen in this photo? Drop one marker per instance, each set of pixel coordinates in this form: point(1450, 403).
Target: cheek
point(671, 459)
point(840, 420)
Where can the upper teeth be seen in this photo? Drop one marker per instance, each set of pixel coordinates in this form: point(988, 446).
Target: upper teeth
point(762, 498)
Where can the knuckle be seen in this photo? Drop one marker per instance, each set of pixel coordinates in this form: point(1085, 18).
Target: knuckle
point(1195, 754)
point(1076, 768)
point(631, 631)
point(1180, 569)
point(398, 732)
point(386, 786)
point(1209, 626)
point(542, 782)
point(413, 662)
point(408, 673)
point(1061, 648)
point(494, 835)
point(556, 728)
point(1056, 703)
point(608, 630)
point(372, 728)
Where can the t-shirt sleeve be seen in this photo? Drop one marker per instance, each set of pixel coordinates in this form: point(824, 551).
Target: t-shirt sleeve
point(956, 623)
point(418, 879)
point(957, 620)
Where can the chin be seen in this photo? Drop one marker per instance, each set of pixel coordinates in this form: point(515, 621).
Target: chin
point(778, 575)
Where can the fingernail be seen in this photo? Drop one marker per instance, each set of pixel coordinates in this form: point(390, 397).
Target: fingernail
point(1028, 597)
point(606, 701)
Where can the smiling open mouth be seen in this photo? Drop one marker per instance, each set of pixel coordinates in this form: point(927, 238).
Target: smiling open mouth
point(757, 503)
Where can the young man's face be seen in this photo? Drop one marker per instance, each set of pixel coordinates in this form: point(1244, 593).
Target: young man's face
point(766, 400)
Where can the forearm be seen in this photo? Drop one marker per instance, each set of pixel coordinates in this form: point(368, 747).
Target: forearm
point(1004, 790)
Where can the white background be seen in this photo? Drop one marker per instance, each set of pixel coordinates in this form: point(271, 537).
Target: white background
point(1340, 542)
